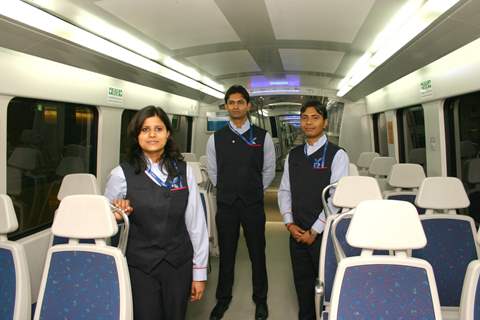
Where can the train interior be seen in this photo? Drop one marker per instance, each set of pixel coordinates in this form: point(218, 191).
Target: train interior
point(401, 83)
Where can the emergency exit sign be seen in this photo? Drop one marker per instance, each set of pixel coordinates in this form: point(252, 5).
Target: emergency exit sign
point(115, 95)
point(426, 88)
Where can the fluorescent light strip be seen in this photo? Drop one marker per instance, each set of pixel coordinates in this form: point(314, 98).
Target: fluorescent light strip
point(412, 19)
point(34, 17)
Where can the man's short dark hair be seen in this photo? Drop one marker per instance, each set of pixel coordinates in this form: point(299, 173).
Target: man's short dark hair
point(319, 107)
point(237, 89)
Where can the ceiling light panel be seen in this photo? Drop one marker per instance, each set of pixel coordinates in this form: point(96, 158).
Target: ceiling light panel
point(317, 20)
point(155, 19)
point(311, 60)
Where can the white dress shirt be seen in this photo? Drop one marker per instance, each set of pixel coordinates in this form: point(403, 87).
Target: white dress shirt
point(194, 215)
point(339, 169)
point(268, 170)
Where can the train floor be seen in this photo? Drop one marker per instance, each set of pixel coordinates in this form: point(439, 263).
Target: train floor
point(281, 292)
point(282, 301)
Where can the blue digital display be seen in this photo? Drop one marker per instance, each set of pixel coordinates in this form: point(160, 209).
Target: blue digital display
point(264, 82)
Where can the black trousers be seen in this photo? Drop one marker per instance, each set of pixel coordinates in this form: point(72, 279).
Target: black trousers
point(305, 261)
point(252, 219)
point(162, 294)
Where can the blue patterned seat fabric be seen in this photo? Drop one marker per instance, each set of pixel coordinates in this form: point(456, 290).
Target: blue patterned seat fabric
point(450, 248)
point(7, 285)
point(81, 285)
point(384, 291)
point(409, 198)
point(331, 259)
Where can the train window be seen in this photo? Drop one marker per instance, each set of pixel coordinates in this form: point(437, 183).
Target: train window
point(182, 132)
point(380, 133)
point(411, 135)
point(127, 115)
point(46, 140)
point(462, 124)
point(273, 125)
point(335, 114)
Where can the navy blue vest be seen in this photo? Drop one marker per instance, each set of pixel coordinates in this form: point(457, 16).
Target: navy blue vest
point(239, 166)
point(308, 182)
point(157, 223)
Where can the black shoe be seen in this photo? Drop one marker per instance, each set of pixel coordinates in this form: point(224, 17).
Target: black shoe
point(261, 311)
point(219, 310)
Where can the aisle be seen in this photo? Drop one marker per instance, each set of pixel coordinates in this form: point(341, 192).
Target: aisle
point(281, 297)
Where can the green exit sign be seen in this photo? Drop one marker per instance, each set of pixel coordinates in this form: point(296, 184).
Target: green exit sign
point(425, 85)
point(115, 92)
point(426, 89)
point(115, 95)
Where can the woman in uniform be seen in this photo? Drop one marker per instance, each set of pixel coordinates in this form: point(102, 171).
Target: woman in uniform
point(167, 249)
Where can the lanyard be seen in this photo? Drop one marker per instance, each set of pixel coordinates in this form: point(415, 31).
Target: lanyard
point(176, 182)
point(318, 162)
point(250, 141)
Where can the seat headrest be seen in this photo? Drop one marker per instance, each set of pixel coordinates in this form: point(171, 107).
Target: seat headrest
point(381, 166)
point(386, 225)
point(203, 161)
point(468, 149)
point(365, 159)
point(442, 193)
point(189, 157)
point(473, 171)
point(418, 156)
point(406, 175)
point(84, 217)
point(197, 172)
point(352, 170)
point(8, 219)
point(69, 165)
point(78, 183)
point(25, 158)
point(351, 190)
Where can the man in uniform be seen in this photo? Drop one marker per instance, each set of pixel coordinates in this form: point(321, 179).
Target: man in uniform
point(241, 163)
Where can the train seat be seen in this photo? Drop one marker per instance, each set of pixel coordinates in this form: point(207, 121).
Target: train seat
point(470, 301)
point(364, 160)
point(451, 246)
point(473, 179)
point(418, 156)
point(189, 157)
point(353, 170)
point(360, 290)
point(380, 169)
point(349, 192)
point(27, 164)
point(75, 184)
point(15, 295)
point(85, 281)
point(207, 200)
point(405, 178)
point(442, 195)
point(203, 161)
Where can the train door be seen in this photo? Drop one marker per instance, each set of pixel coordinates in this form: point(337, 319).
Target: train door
point(462, 125)
point(380, 134)
point(411, 135)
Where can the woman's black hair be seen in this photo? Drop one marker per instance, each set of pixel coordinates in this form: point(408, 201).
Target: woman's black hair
point(135, 155)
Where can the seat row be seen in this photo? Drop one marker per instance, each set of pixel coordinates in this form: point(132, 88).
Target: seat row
point(80, 280)
point(451, 239)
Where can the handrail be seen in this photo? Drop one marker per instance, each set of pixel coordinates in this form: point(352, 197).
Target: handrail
point(339, 252)
point(326, 208)
point(123, 238)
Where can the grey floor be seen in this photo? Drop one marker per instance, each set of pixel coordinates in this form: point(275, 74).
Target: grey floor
point(281, 295)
